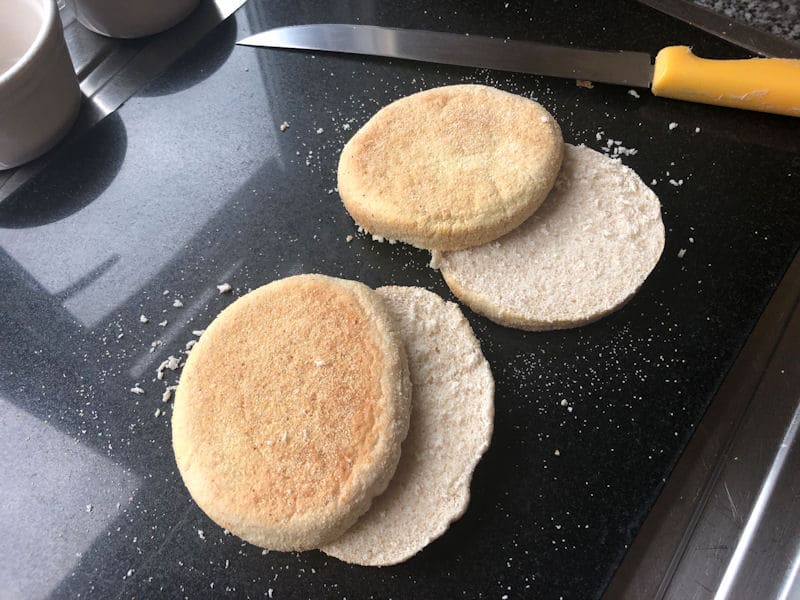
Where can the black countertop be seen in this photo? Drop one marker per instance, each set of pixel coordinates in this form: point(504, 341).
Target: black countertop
point(192, 183)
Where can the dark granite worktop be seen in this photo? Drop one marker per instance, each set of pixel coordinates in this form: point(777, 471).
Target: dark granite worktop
point(192, 183)
point(779, 17)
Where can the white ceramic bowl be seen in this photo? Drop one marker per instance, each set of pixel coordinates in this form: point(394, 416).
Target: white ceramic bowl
point(39, 93)
point(132, 18)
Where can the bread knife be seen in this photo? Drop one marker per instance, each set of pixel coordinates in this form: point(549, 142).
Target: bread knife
point(762, 84)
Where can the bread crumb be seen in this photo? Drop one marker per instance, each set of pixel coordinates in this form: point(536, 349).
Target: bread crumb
point(284, 126)
point(201, 534)
point(137, 390)
point(348, 239)
point(583, 83)
point(89, 508)
point(697, 130)
point(177, 303)
point(157, 413)
point(346, 126)
point(681, 252)
point(165, 293)
point(190, 344)
point(198, 332)
point(557, 452)
point(676, 183)
point(634, 93)
point(224, 288)
point(320, 130)
point(143, 319)
point(163, 323)
point(166, 395)
point(672, 125)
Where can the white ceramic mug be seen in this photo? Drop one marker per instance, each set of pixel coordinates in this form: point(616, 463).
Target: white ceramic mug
point(132, 18)
point(39, 93)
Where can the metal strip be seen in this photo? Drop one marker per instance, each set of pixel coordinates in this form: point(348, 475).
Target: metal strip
point(691, 535)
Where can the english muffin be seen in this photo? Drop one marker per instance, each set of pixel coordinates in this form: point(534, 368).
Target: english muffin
point(451, 426)
point(582, 255)
point(450, 167)
point(291, 411)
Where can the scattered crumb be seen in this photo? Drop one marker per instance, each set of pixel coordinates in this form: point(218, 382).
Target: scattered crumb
point(137, 390)
point(166, 395)
point(320, 130)
point(163, 323)
point(157, 413)
point(676, 183)
point(672, 125)
point(224, 288)
point(284, 126)
point(653, 182)
point(89, 508)
point(348, 239)
point(177, 303)
point(691, 240)
point(120, 336)
point(143, 319)
point(599, 135)
point(172, 363)
point(201, 534)
point(681, 252)
point(190, 344)
point(697, 130)
point(634, 93)
point(165, 293)
point(198, 332)
point(557, 452)
point(346, 127)
point(582, 83)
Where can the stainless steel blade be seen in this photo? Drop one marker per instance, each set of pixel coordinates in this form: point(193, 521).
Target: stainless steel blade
point(624, 68)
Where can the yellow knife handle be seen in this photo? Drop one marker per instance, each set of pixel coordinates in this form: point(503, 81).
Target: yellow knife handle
point(764, 84)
